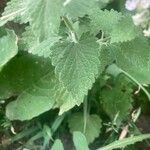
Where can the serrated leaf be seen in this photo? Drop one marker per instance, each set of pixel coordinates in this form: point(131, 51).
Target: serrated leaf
point(78, 8)
point(76, 123)
point(8, 47)
point(80, 141)
point(125, 142)
point(48, 14)
point(20, 73)
point(40, 97)
point(134, 58)
point(31, 43)
point(31, 11)
point(57, 145)
point(15, 9)
point(76, 65)
point(117, 100)
point(28, 39)
point(125, 30)
point(107, 55)
point(44, 48)
point(104, 20)
point(118, 27)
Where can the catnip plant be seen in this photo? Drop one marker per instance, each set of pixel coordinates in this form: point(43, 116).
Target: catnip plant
point(83, 60)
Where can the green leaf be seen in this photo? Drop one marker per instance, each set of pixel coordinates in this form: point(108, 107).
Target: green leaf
point(117, 99)
point(44, 48)
point(103, 3)
point(82, 26)
point(107, 55)
point(125, 142)
point(80, 141)
point(8, 47)
point(104, 20)
point(78, 8)
point(41, 96)
point(118, 27)
point(32, 101)
point(48, 15)
point(28, 39)
point(31, 43)
point(134, 58)
point(76, 65)
point(15, 9)
point(76, 123)
point(21, 72)
point(31, 11)
point(57, 145)
point(124, 30)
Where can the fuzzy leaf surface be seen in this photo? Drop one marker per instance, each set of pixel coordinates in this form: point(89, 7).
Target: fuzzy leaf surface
point(15, 9)
point(76, 64)
point(32, 44)
point(46, 12)
point(44, 16)
point(124, 30)
point(104, 20)
point(79, 8)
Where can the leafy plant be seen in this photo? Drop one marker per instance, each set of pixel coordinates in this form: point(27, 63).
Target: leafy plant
point(72, 54)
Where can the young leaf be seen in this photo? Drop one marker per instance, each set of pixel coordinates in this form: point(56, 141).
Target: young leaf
point(76, 64)
point(80, 141)
point(8, 47)
point(76, 123)
point(125, 142)
point(57, 145)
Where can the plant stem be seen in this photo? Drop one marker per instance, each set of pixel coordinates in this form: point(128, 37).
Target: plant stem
point(135, 81)
point(70, 27)
point(57, 123)
point(85, 113)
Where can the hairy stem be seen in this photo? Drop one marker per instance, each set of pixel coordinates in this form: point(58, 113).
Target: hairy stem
point(70, 27)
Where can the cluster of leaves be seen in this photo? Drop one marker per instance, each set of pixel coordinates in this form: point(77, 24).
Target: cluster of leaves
point(64, 56)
